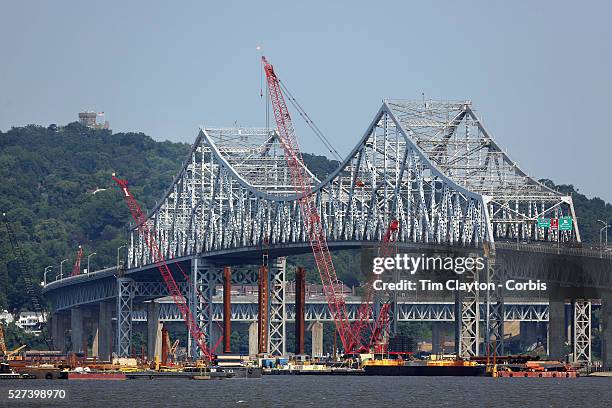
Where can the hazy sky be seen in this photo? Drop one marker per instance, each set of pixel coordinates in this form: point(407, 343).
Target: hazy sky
point(538, 72)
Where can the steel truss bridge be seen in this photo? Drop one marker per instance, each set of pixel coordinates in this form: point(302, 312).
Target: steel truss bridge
point(431, 165)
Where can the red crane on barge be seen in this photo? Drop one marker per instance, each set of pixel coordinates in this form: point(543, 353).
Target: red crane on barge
point(148, 234)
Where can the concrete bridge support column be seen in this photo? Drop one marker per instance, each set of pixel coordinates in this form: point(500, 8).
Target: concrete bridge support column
point(317, 339)
point(606, 334)
point(278, 313)
point(437, 337)
point(76, 329)
point(103, 332)
point(528, 334)
point(125, 295)
point(556, 329)
point(59, 325)
point(95, 329)
point(253, 339)
point(154, 328)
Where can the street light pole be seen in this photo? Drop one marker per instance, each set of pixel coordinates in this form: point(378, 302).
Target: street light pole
point(62, 269)
point(45, 276)
point(89, 256)
point(119, 249)
point(605, 225)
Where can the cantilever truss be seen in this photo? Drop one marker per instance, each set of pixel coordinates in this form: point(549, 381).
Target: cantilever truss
point(430, 165)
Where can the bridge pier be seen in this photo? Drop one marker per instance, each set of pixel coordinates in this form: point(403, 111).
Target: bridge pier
point(438, 337)
point(278, 315)
point(125, 295)
point(581, 330)
point(154, 328)
point(467, 320)
point(59, 325)
point(103, 332)
point(204, 277)
point(253, 339)
point(495, 307)
point(317, 339)
point(76, 330)
point(300, 304)
point(606, 334)
point(556, 329)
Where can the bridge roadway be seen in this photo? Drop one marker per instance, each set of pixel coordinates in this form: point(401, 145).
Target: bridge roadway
point(87, 300)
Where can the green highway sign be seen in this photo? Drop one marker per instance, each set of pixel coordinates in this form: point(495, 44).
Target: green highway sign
point(543, 222)
point(565, 223)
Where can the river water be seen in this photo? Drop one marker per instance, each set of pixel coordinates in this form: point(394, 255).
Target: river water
point(324, 391)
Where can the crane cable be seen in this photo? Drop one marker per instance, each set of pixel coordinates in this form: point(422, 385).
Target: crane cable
point(317, 131)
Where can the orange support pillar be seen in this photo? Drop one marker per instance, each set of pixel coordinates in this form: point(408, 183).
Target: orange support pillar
point(300, 309)
point(262, 321)
point(227, 309)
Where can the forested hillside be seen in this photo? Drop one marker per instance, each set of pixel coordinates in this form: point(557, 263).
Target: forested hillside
point(57, 193)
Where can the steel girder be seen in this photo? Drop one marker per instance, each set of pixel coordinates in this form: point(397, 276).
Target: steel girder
point(105, 289)
point(245, 311)
point(581, 331)
point(125, 295)
point(278, 317)
point(204, 278)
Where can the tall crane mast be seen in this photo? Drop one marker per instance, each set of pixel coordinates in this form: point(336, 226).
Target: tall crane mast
point(76, 269)
point(31, 290)
point(312, 220)
point(148, 235)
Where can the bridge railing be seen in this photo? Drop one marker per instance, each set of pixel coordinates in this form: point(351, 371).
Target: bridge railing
point(548, 248)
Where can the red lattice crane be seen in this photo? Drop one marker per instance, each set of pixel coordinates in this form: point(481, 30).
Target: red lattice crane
point(378, 340)
point(366, 309)
point(312, 220)
point(148, 234)
point(76, 269)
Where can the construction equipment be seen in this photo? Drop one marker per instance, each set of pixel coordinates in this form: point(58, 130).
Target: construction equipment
point(366, 310)
point(379, 339)
point(314, 227)
point(12, 355)
point(32, 291)
point(76, 269)
point(148, 234)
point(2, 341)
point(173, 349)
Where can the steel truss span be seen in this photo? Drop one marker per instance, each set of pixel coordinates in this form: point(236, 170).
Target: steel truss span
point(432, 166)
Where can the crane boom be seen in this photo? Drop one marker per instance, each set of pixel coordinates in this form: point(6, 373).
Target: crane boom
point(310, 214)
point(31, 290)
point(76, 269)
point(149, 237)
